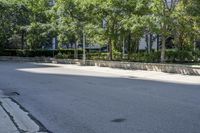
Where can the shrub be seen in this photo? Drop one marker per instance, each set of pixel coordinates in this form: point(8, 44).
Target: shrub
point(196, 55)
point(61, 56)
point(153, 57)
point(145, 57)
point(182, 56)
point(185, 56)
point(38, 53)
point(117, 55)
point(171, 55)
point(97, 56)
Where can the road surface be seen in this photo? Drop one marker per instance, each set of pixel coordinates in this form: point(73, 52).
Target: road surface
point(74, 99)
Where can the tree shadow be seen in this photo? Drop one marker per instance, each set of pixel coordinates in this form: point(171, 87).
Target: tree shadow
point(94, 102)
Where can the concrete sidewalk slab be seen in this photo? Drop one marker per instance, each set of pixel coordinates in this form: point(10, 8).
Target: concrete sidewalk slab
point(6, 125)
point(19, 116)
point(13, 119)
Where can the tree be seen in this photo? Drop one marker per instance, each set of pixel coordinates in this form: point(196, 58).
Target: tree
point(183, 31)
point(135, 22)
point(69, 18)
point(26, 18)
point(38, 30)
point(5, 23)
point(192, 9)
point(161, 20)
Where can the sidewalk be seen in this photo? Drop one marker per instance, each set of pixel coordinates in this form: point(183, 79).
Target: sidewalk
point(15, 120)
point(6, 124)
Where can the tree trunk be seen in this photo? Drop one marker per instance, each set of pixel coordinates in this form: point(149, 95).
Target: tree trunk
point(22, 40)
point(158, 42)
point(147, 43)
point(84, 42)
point(75, 50)
point(129, 45)
point(194, 45)
point(110, 48)
point(151, 42)
point(162, 58)
point(123, 48)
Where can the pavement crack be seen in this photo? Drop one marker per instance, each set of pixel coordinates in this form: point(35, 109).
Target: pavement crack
point(12, 119)
point(42, 128)
point(21, 118)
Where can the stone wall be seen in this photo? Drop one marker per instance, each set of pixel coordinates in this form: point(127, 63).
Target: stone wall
point(169, 68)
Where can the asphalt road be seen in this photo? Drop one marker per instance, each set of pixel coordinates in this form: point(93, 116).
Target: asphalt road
point(72, 99)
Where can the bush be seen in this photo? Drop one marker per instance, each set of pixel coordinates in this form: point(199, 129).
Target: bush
point(145, 57)
point(172, 56)
point(39, 53)
point(117, 55)
point(185, 56)
point(97, 56)
point(196, 55)
point(180, 56)
point(61, 56)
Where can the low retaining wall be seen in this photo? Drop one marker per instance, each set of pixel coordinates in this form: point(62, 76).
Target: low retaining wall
point(169, 68)
point(25, 59)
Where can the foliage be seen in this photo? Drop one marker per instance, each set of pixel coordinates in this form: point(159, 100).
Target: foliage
point(61, 56)
point(120, 24)
point(97, 56)
point(172, 56)
point(37, 53)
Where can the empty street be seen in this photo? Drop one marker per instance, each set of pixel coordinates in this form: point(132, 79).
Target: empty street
point(83, 99)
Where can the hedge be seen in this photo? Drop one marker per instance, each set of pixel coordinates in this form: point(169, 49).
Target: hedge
point(38, 53)
point(154, 57)
point(171, 56)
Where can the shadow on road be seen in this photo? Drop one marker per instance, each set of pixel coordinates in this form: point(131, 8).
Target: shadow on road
point(90, 102)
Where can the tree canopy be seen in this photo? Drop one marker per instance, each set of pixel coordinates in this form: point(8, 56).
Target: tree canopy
point(31, 24)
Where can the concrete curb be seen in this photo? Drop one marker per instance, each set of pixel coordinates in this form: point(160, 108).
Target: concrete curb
point(15, 119)
point(169, 68)
point(6, 124)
